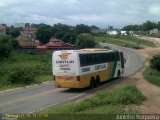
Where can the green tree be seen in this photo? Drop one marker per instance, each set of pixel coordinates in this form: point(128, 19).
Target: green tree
point(27, 25)
point(149, 25)
point(64, 32)
point(82, 29)
point(85, 40)
point(15, 32)
point(5, 47)
point(44, 33)
point(93, 27)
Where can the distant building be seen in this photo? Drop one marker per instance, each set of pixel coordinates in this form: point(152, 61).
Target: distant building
point(154, 31)
point(2, 30)
point(123, 32)
point(113, 31)
point(30, 32)
point(18, 25)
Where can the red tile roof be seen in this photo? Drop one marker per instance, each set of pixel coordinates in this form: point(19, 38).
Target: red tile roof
point(53, 44)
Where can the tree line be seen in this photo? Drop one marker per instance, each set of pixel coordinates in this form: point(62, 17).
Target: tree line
point(64, 32)
point(148, 25)
point(78, 35)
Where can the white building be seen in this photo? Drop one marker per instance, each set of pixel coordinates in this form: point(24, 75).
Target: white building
point(123, 32)
point(153, 31)
point(112, 32)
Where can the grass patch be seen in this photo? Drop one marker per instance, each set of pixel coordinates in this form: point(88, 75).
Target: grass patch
point(135, 40)
point(114, 41)
point(39, 66)
point(103, 102)
point(152, 75)
point(125, 41)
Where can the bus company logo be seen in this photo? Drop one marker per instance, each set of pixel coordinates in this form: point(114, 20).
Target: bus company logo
point(64, 56)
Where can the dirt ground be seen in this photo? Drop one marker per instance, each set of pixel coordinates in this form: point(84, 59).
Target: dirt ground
point(151, 92)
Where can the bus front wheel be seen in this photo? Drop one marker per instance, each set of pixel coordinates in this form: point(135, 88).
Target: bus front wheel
point(97, 81)
point(118, 74)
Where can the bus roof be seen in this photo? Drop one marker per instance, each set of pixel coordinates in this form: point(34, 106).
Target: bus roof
point(94, 49)
point(88, 50)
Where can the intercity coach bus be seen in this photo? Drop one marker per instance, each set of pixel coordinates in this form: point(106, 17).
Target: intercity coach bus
point(86, 67)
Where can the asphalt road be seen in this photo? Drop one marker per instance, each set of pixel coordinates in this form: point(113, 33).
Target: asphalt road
point(31, 99)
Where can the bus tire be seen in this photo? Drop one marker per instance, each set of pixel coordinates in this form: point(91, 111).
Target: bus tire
point(118, 74)
point(97, 81)
point(92, 83)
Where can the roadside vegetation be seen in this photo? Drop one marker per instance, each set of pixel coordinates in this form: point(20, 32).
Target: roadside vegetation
point(125, 41)
point(19, 68)
point(23, 69)
point(116, 101)
point(152, 73)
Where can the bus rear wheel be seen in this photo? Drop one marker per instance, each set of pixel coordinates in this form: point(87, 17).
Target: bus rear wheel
point(92, 83)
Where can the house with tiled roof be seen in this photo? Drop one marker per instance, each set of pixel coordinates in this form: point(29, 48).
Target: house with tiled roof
point(2, 30)
point(57, 44)
point(53, 44)
point(30, 32)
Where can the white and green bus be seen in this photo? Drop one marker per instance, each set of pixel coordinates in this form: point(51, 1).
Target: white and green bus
point(86, 67)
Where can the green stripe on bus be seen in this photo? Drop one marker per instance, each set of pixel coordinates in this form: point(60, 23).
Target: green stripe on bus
point(110, 70)
point(114, 68)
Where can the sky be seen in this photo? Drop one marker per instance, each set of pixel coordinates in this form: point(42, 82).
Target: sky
point(102, 13)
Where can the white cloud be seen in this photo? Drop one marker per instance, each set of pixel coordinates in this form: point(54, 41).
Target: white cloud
point(155, 10)
point(97, 12)
point(71, 2)
point(43, 19)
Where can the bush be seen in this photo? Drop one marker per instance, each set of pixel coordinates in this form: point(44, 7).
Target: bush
point(15, 32)
point(129, 95)
point(155, 62)
point(22, 75)
point(152, 75)
point(85, 40)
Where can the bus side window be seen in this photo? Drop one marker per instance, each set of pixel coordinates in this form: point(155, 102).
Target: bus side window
point(107, 57)
point(103, 58)
point(83, 60)
point(98, 58)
